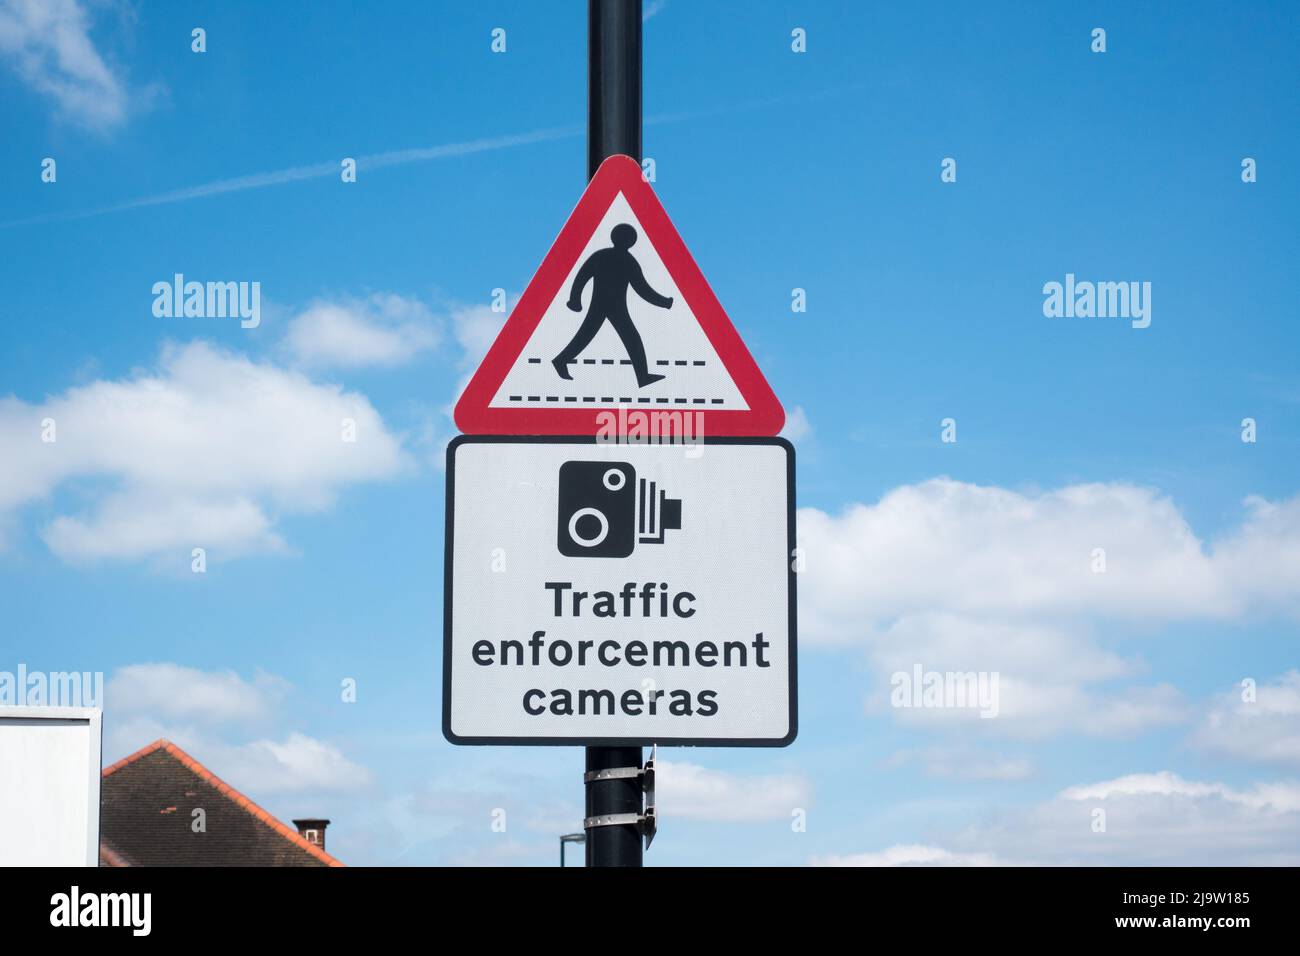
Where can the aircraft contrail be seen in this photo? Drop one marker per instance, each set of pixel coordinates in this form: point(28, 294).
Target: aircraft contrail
point(397, 157)
point(313, 171)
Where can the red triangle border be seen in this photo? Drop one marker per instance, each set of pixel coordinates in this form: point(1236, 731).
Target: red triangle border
point(474, 414)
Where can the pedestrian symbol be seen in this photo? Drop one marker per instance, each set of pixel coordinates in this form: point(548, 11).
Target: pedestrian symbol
point(612, 271)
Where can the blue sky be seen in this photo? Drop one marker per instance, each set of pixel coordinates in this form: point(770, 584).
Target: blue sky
point(818, 170)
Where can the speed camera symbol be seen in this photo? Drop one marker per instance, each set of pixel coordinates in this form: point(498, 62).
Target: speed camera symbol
point(605, 510)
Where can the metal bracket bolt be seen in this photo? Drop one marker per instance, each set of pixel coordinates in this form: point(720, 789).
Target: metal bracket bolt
point(646, 823)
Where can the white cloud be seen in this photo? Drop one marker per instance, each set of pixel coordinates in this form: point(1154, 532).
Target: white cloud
point(797, 427)
point(1260, 563)
point(461, 801)
point(195, 709)
point(1133, 709)
point(962, 643)
point(139, 524)
point(1159, 819)
point(296, 763)
point(960, 577)
point(384, 330)
point(1284, 798)
point(653, 9)
point(1266, 729)
point(1154, 819)
point(204, 451)
point(963, 763)
point(173, 691)
point(973, 549)
point(511, 852)
point(47, 42)
point(689, 791)
point(908, 854)
point(476, 328)
point(1048, 677)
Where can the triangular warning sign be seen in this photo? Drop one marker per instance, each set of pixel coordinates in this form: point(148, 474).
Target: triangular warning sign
point(618, 318)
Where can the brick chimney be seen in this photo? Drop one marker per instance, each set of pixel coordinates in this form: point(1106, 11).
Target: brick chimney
point(312, 830)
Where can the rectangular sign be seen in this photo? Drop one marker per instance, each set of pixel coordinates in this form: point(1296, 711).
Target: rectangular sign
point(619, 594)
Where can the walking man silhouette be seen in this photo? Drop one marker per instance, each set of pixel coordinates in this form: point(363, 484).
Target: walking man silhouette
point(612, 270)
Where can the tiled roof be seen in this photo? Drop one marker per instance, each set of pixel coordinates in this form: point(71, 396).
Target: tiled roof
point(109, 855)
point(146, 817)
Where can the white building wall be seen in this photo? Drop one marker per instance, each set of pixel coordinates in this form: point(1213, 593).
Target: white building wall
point(49, 786)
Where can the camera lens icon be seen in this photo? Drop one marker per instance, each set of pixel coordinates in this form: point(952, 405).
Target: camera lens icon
point(605, 510)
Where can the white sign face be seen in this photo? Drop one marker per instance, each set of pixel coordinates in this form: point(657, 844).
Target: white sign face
point(619, 594)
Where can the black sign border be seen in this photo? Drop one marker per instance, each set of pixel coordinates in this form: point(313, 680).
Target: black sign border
point(580, 741)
